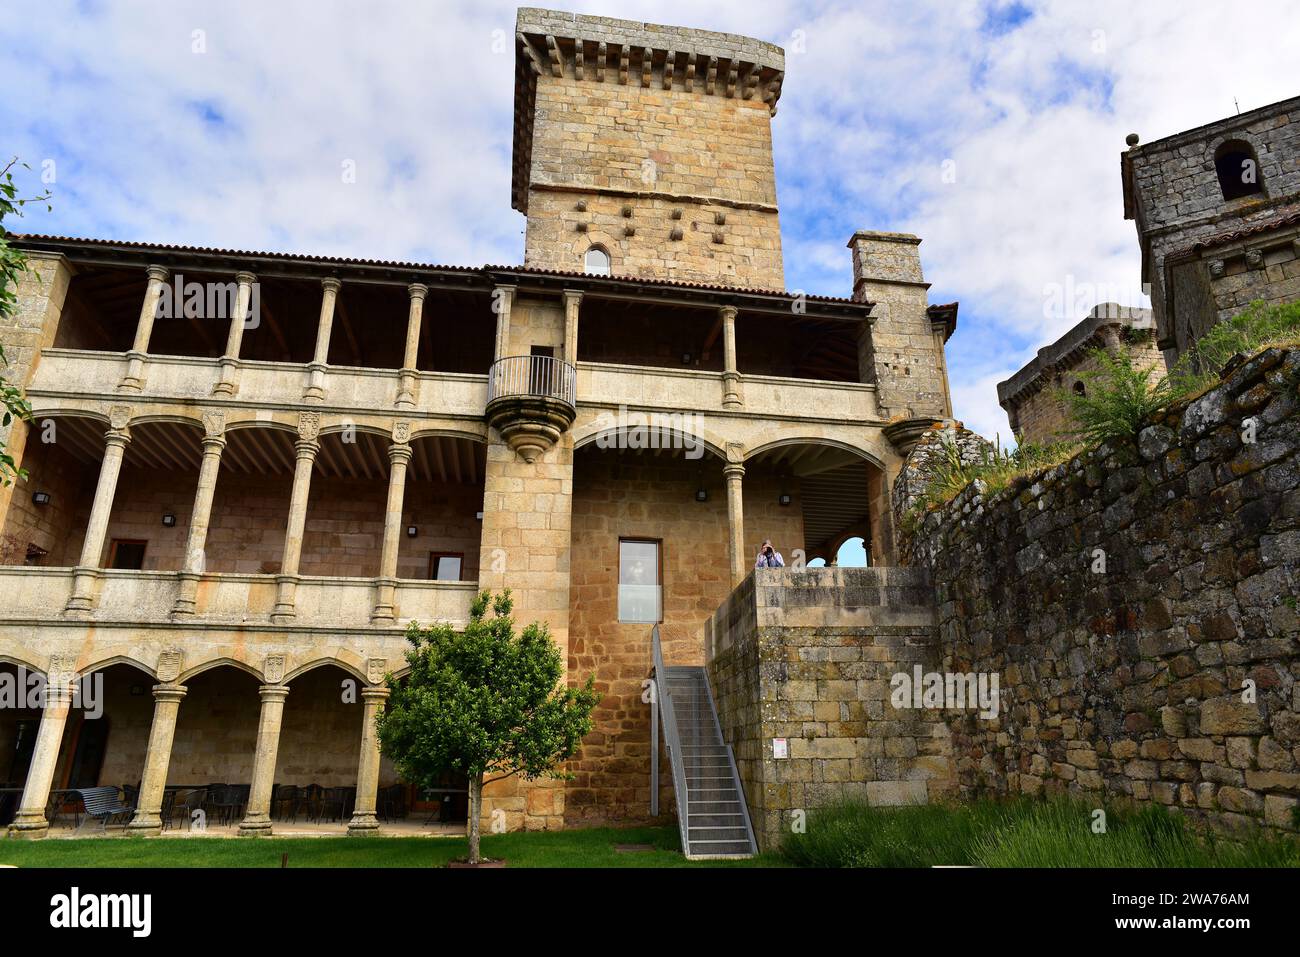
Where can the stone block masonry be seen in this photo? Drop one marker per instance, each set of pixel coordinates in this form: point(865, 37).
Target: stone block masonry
point(808, 657)
point(1139, 604)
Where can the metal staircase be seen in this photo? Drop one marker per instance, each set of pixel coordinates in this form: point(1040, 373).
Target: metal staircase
point(711, 812)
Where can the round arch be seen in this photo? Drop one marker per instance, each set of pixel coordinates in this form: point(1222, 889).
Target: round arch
point(166, 418)
point(590, 434)
point(870, 457)
point(222, 662)
point(59, 412)
point(340, 661)
point(443, 432)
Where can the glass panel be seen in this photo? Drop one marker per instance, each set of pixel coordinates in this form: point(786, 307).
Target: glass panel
point(448, 568)
point(639, 594)
point(597, 262)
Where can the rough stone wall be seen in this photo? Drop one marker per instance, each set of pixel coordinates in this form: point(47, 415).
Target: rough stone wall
point(656, 152)
point(623, 495)
point(1125, 679)
point(32, 328)
point(901, 352)
point(1042, 416)
point(918, 468)
point(1177, 203)
point(809, 656)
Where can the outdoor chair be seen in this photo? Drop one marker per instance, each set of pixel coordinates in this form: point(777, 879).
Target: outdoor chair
point(195, 799)
point(223, 804)
point(284, 802)
point(104, 804)
point(334, 803)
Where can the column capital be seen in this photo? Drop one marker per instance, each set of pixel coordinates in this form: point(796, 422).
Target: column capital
point(169, 692)
point(117, 437)
point(273, 692)
point(157, 273)
point(245, 278)
point(733, 470)
point(375, 694)
point(417, 290)
point(727, 312)
point(331, 284)
point(399, 452)
point(572, 296)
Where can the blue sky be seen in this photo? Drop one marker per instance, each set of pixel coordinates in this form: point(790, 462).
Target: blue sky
point(992, 130)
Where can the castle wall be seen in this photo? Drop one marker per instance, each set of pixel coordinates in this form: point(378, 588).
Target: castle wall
point(1126, 679)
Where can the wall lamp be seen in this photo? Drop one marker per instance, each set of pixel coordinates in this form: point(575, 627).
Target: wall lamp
point(412, 531)
point(169, 519)
point(40, 498)
point(783, 499)
point(701, 495)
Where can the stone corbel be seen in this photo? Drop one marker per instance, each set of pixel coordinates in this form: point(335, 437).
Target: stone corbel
point(602, 58)
point(647, 64)
point(553, 51)
point(534, 61)
point(670, 61)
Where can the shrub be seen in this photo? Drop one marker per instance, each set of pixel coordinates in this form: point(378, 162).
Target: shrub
point(1255, 327)
point(1121, 396)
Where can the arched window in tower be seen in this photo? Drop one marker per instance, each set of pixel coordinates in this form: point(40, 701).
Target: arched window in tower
point(1238, 170)
point(596, 261)
point(1080, 388)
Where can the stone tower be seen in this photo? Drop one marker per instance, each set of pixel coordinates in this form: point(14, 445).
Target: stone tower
point(1217, 211)
point(648, 147)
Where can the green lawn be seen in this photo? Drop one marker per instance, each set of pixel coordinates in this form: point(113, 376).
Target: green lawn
point(594, 847)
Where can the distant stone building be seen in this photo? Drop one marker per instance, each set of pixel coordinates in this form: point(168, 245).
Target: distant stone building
point(241, 508)
point(1217, 211)
point(1033, 398)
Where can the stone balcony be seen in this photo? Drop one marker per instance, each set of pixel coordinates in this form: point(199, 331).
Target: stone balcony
point(146, 599)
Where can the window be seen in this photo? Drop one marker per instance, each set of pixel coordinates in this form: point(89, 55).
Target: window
point(639, 595)
point(445, 566)
point(597, 261)
point(126, 553)
point(1238, 170)
point(1080, 388)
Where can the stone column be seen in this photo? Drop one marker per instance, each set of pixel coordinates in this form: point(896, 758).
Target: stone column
point(228, 384)
point(399, 455)
point(287, 581)
point(92, 548)
point(257, 819)
point(364, 822)
point(148, 812)
point(30, 820)
point(572, 302)
point(406, 388)
point(734, 473)
point(133, 381)
point(731, 398)
point(315, 392)
point(214, 441)
point(503, 298)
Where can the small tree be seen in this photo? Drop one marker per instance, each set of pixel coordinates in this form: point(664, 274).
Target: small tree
point(1121, 394)
point(483, 702)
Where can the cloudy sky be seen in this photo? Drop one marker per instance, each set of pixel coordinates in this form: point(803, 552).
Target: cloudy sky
point(991, 129)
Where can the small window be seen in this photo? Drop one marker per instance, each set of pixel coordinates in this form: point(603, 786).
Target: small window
point(597, 262)
point(445, 566)
point(639, 594)
point(126, 553)
point(1080, 388)
point(1238, 170)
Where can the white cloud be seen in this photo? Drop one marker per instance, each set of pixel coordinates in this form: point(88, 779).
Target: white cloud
point(243, 145)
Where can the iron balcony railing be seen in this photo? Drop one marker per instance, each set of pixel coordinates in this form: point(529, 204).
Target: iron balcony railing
point(544, 376)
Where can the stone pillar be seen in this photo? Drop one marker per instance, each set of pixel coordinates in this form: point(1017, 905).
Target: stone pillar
point(30, 820)
point(406, 389)
point(364, 822)
point(287, 581)
point(228, 384)
point(315, 392)
point(572, 302)
point(257, 819)
point(214, 441)
point(92, 548)
point(731, 398)
point(734, 473)
point(133, 381)
point(399, 455)
point(148, 812)
point(503, 298)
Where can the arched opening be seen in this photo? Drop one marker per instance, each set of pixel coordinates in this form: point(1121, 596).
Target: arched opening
point(596, 261)
point(828, 495)
point(210, 772)
point(320, 733)
point(1080, 388)
point(441, 530)
point(1237, 167)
